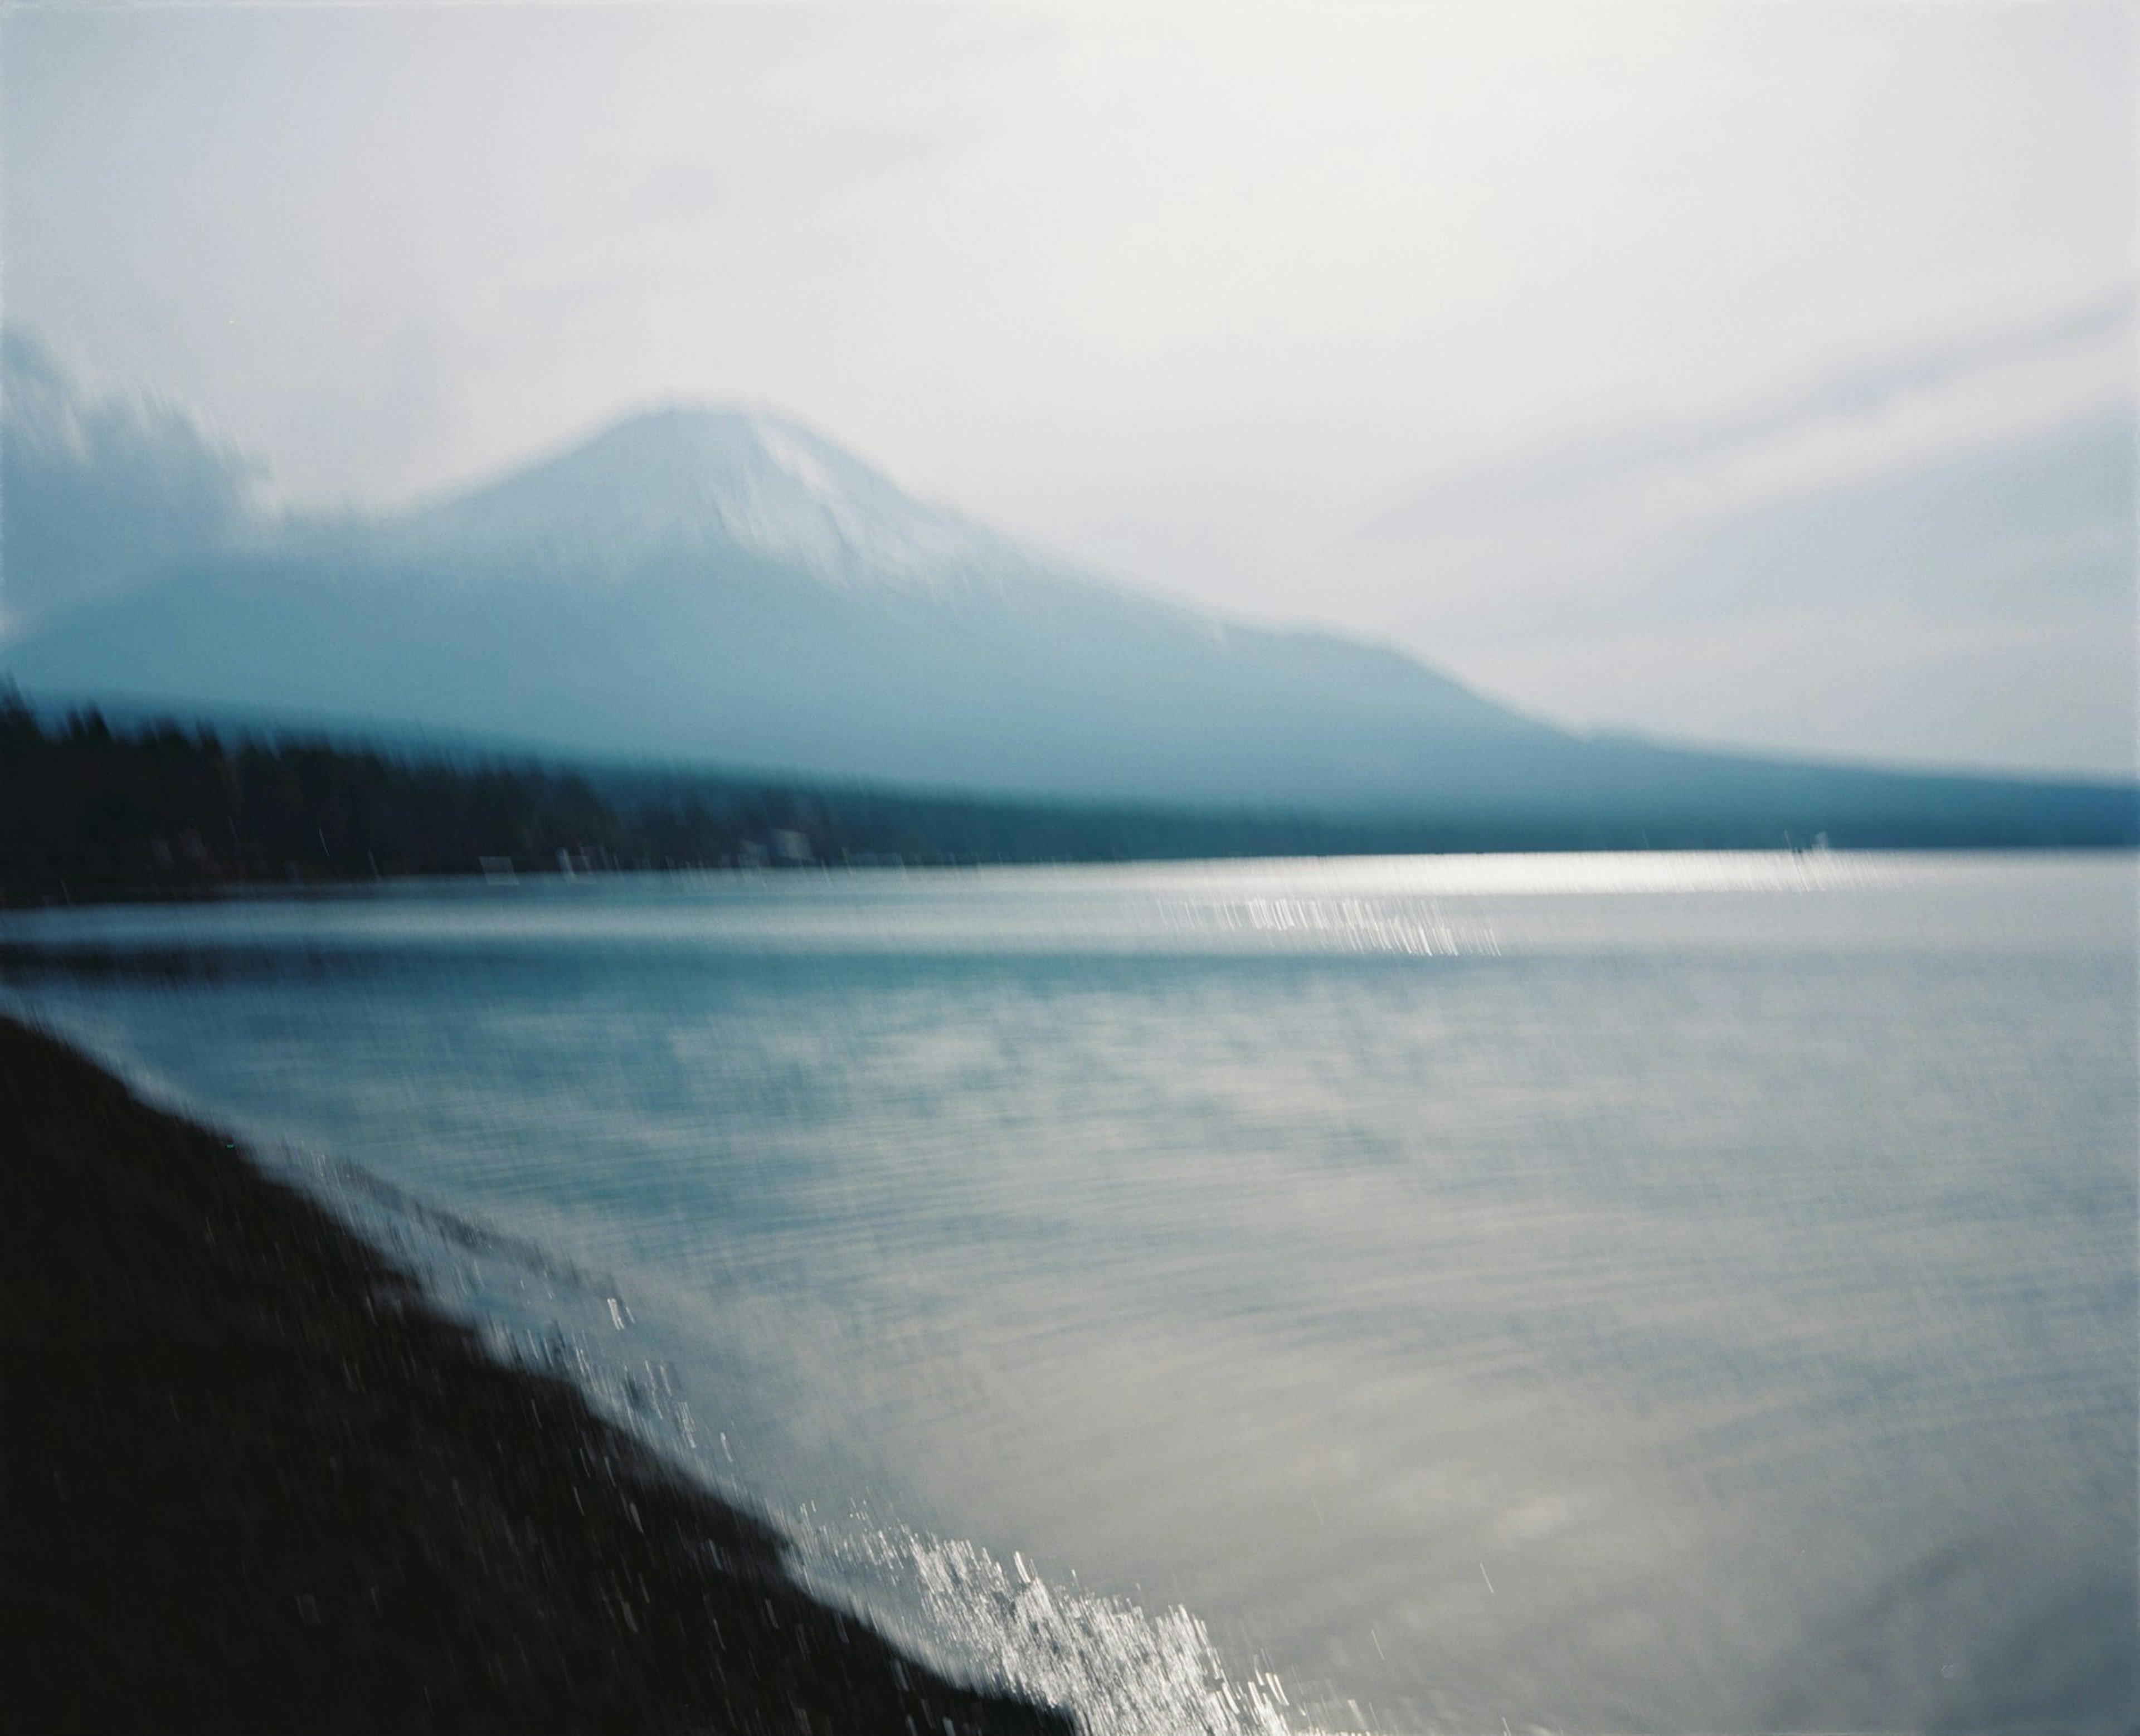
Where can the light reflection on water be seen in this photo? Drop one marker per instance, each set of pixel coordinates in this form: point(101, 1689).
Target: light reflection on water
point(1636, 1292)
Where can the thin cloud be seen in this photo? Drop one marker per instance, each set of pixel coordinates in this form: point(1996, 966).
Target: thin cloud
point(1597, 464)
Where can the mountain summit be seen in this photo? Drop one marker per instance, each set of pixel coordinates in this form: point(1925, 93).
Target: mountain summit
point(680, 483)
point(732, 590)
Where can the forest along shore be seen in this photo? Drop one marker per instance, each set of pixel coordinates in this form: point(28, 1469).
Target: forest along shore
point(251, 1479)
point(91, 812)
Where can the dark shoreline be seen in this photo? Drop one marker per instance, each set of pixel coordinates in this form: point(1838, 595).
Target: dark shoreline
point(251, 1480)
point(90, 813)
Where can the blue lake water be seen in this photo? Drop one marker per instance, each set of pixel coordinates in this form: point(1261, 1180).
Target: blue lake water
point(1638, 1293)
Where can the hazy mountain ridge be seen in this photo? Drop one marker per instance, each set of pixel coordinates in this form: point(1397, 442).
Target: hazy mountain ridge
point(728, 588)
point(100, 495)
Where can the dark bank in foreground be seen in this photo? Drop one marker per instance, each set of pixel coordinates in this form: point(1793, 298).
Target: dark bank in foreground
point(254, 1481)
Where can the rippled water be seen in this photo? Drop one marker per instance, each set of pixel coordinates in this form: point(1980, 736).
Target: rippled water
point(1632, 1293)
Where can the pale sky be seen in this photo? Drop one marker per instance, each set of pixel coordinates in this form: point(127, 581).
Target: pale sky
point(1753, 373)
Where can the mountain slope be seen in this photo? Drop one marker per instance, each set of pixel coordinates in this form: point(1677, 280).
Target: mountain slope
point(731, 589)
point(100, 494)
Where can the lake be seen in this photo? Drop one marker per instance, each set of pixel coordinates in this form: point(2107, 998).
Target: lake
point(1670, 1292)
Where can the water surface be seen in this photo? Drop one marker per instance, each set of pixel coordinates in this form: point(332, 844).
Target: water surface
point(1675, 1292)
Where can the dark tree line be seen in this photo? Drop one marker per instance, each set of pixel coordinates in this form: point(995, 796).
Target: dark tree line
point(89, 811)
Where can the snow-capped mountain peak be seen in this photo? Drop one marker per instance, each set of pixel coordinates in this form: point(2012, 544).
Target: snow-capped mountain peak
point(684, 481)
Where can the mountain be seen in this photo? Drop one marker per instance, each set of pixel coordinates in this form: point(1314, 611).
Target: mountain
point(731, 589)
point(101, 495)
point(683, 483)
